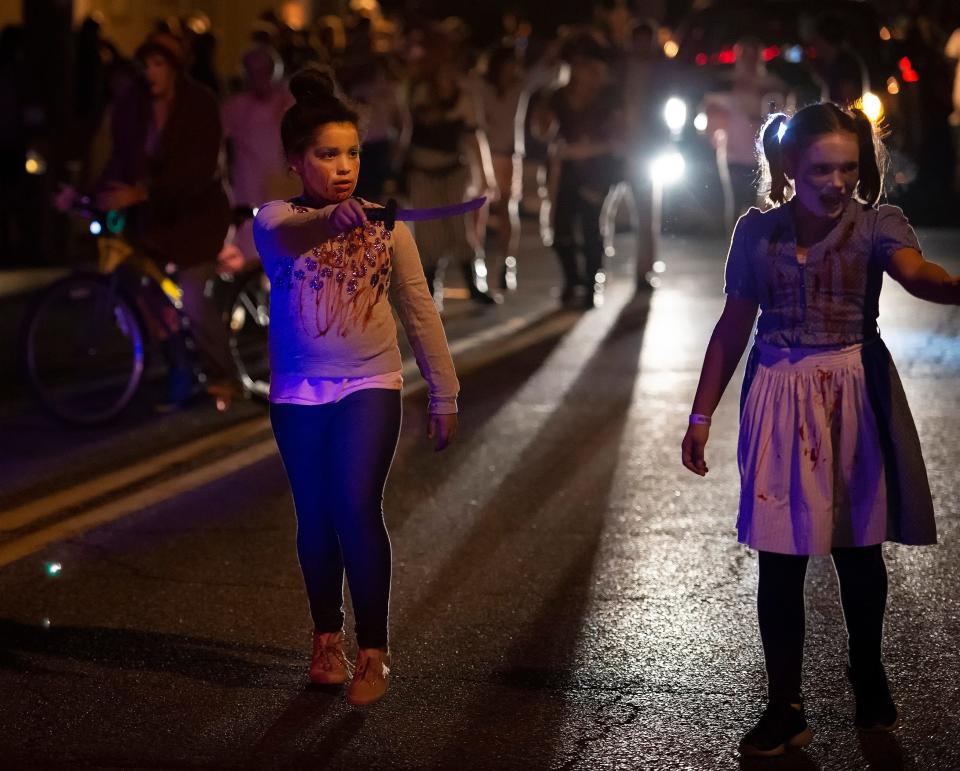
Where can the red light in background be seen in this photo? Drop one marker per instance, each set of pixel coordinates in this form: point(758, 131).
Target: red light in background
point(727, 56)
point(906, 69)
point(771, 52)
point(700, 59)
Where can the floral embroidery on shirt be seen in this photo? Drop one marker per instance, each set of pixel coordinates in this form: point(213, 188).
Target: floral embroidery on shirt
point(344, 282)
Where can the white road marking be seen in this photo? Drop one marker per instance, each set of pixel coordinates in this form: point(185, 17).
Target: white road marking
point(138, 501)
point(72, 497)
point(510, 331)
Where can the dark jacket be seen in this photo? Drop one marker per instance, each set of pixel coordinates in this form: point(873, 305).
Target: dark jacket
point(186, 215)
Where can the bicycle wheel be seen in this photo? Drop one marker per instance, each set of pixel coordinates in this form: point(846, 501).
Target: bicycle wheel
point(83, 349)
point(249, 323)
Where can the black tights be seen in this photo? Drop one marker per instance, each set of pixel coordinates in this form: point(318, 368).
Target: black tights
point(337, 457)
point(780, 608)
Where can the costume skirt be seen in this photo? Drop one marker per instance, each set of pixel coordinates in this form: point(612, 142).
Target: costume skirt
point(829, 454)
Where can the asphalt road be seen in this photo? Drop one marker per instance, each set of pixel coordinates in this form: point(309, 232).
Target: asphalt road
point(565, 594)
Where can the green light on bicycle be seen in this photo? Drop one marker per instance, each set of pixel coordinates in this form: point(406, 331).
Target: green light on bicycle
point(116, 221)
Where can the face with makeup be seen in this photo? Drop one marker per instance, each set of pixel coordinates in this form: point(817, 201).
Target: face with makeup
point(329, 167)
point(826, 173)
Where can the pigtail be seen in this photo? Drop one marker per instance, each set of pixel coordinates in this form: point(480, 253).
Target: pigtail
point(872, 158)
point(773, 178)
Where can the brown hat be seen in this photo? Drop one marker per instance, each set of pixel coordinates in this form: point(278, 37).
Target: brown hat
point(166, 45)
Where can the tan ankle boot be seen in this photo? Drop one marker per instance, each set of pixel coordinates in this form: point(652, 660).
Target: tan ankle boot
point(370, 678)
point(329, 665)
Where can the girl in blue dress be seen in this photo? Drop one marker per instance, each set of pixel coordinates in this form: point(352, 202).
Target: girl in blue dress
point(829, 456)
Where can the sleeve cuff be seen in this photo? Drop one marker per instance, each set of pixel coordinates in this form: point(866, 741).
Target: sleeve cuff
point(443, 405)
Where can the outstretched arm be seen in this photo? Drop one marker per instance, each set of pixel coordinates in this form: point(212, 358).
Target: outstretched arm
point(729, 339)
point(922, 278)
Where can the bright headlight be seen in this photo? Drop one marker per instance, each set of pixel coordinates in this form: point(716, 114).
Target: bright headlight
point(675, 114)
point(667, 168)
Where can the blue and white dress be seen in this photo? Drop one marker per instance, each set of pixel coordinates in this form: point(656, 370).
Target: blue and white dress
point(829, 454)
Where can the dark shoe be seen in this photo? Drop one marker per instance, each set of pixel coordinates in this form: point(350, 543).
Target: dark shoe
point(875, 710)
point(780, 726)
point(645, 285)
point(483, 298)
point(568, 294)
point(182, 387)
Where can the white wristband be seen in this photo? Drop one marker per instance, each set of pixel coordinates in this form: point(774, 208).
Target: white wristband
point(700, 420)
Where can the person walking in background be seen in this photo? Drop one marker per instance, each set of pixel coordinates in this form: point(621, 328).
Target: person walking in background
point(501, 90)
point(734, 118)
point(336, 375)
point(251, 127)
point(644, 97)
point(829, 457)
point(368, 83)
point(447, 149)
point(585, 123)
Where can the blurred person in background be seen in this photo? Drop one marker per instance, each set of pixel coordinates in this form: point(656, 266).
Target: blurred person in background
point(251, 124)
point(448, 149)
point(501, 90)
point(368, 83)
point(734, 121)
point(164, 169)
point(841, 70)
point(203, 67)
point(584, 122)
point(645, 91)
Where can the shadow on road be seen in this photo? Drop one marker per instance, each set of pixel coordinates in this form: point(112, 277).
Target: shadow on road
point(297, 737)
point(540, 659)
point(211, 661)
point(792, 760)
point(498, 383)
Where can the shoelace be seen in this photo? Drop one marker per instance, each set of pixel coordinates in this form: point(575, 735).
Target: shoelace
point(363, 665)
point(329, 654)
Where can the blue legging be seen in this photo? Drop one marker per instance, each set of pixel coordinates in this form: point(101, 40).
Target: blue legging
point(337, 457)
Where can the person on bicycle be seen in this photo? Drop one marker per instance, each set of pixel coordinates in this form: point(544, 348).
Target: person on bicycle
point(164, 169)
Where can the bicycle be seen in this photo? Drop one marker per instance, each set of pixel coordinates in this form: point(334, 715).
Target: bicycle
point(87, 338)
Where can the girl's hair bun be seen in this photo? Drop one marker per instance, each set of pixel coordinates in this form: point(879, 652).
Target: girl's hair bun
point(313, 86)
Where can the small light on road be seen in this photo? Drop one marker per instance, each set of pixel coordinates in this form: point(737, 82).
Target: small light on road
point(53, 569)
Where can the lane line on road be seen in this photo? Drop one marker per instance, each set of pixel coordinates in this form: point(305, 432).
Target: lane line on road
point(20, 516)
point(516, 333)
point(138, 501)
